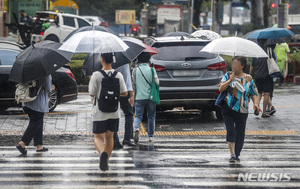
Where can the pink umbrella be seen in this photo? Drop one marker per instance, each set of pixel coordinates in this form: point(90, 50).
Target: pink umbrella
point(150, 50)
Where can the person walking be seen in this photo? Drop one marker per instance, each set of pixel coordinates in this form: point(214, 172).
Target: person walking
point(282, 51)
point(105, 87)
point(142, 78)
point(263, 80)
point(240, 87)
point(35, 110)
point(127, 107)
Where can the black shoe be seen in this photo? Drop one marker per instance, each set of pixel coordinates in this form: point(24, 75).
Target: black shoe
point(272, 112)
point(232, 160)
point(42, 150)
point(237, 159)
point(22, 150)
point(136, 137)
point(128, 143)
point(103, 161)
point(117, 146)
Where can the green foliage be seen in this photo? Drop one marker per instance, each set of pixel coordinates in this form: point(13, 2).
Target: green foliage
point(228, 60)
point(295, 57)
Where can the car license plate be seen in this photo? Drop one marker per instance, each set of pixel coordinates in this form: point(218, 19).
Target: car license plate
point(186, 73)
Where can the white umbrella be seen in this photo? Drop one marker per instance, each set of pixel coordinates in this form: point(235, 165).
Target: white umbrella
point(206, 34)
point(94, 42)
point(235, 46)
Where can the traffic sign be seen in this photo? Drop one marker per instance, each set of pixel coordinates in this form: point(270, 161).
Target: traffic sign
point(125, 16)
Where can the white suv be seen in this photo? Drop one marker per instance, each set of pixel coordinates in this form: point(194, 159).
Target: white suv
point(60, 25)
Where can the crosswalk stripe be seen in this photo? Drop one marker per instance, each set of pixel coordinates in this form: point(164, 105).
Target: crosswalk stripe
point(63, 158)
point(69, 179)
point(224, 145)
point(77, 165)
point(216, 175)
point(235, 168)
point(251, 184)
point(2, 172)
point(64, 186)
point(262, 150)
point(212, 155)
point(65, 152)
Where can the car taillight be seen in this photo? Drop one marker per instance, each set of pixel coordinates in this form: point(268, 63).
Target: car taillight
point(219, 66)
point(70, 74)
point(134, 29)
point(42, 33)
point(159, 68)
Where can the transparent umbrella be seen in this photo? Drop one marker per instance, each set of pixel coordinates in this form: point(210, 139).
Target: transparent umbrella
point(235, 46)
point(94, 42)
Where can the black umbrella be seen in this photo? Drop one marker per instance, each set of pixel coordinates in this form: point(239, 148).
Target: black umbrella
point(89, 28)
point(93, 63)
point(174, 34)
point(38, 61)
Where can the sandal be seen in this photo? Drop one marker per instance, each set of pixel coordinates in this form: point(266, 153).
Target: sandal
point(42, 150)
point(21, 149)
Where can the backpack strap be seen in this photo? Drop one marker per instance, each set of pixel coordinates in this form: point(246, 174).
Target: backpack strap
point(103, 73)
point(114, 74)
point(110, 74)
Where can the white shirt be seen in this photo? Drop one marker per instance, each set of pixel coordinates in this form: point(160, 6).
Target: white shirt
point(95, 89)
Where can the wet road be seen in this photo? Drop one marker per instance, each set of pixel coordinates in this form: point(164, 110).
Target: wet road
point(189, 151)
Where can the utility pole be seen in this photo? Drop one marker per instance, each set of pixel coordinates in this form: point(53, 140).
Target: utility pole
point(283, 11)
point(192, 16)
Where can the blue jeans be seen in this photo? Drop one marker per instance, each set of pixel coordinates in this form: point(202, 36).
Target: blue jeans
point(140, 105)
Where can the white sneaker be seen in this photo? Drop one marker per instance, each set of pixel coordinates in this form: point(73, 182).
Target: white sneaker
point(151, 139)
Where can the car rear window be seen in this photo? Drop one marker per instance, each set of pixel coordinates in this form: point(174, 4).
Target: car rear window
point(181, 51)
point(7, 58)
point(295, 28)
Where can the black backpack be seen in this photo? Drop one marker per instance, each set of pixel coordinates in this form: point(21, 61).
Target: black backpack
point(110, 92)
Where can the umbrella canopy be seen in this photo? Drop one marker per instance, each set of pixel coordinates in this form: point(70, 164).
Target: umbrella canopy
point(94, 42)
point(234, 46)
point(136, 47)
point(270, 33)
point(150, 50)
point(269, 41)
point(92, 62)
point(38, 61)
point(90, 28)
point(206, 34)
point(174, 34)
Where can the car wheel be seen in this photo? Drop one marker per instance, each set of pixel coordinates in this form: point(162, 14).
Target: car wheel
point(219, 114)
point(53, 99)
point(52, 38)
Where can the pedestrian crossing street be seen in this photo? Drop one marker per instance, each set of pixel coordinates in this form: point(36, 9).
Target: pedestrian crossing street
point(169, 162)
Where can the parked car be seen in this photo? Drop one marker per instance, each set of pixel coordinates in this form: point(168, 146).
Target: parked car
point(60, 25)
point(63, 79)
point(97, 20)
point(187, 77)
